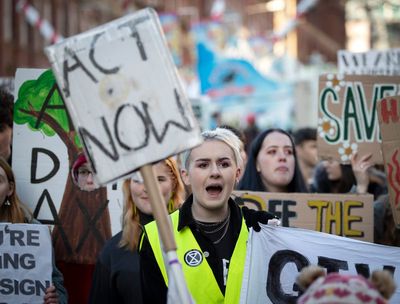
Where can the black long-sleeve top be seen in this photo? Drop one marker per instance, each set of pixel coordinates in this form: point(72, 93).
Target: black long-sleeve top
point(116, 278)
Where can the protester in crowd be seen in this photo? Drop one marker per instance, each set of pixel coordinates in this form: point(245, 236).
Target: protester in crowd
point(6, 124)
point(82, 229)
point(12, 210)
point(210, 229)
point(360, 177)
point(319, 287)
point(117, 277)
point(82, 174)
point(386, 232)
point(251, 131)
point(272, 164)
point(305, 140)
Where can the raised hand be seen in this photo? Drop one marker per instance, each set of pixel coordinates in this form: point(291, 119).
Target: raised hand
point(360, 166)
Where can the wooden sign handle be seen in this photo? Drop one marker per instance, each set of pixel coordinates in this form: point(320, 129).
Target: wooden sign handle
point(159, 208)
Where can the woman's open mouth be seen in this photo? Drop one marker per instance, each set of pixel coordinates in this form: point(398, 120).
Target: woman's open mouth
point(214, 190)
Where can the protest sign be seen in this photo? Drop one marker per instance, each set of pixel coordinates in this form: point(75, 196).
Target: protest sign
point(389, 122)
point(45, 147)
point(374, 62)
point(276, 255)
point(347, 119)
point(124, 95)
point(349, 215)
point(25, 263)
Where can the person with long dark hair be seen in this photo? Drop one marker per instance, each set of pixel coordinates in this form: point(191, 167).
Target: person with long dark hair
point(272, 164)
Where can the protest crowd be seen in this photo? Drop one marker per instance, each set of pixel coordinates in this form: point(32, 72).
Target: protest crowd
point(146, 202)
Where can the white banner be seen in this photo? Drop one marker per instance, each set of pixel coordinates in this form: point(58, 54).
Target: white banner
point(276, 255)
point(25, 263)
point(124, 96)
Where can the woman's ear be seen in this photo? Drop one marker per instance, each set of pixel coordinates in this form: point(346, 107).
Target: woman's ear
point(238, 174)
point(185, 177)
point(10, 188)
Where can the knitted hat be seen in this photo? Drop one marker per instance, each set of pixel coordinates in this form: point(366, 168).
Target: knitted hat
point(81, 159)
point(346, 289)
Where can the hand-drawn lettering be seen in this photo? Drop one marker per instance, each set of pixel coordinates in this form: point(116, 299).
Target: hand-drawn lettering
point(338, 213)
point(325, 97)
point(34, 163)
point(135, 34)
point(276, 264)
point(102, 69)
point(110, 148)
point(285, 214)
point(332, 265)
point(281, 258)
point(389, 111)
point(349, 219)
point(46, 105)
point(68, 69)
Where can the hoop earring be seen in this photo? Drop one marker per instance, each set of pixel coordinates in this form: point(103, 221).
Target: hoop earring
point(7, 202)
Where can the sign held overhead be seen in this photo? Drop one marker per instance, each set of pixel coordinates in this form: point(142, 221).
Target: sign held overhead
point(124, 95)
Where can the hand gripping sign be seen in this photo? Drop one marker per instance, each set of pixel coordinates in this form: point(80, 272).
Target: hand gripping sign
point(127, 103)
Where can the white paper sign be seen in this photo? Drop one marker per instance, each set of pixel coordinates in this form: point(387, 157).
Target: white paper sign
point(276, 255)
point(383, 62)
point(25, 263)
point(124, 95)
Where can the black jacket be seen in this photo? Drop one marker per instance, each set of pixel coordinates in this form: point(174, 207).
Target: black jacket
point(116, 278)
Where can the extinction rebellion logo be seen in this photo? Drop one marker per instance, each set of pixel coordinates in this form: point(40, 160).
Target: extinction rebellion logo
point(193, 258)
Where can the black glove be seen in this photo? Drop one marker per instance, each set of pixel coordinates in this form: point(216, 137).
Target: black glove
point(254, 217)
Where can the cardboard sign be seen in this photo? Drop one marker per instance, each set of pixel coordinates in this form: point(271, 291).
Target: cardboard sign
point(347, 118)
point(349, 215)
point(389, 122)
point(25, 263)
point(382, 62)
point(45, 147)
point(276, 255)
point(124, 95)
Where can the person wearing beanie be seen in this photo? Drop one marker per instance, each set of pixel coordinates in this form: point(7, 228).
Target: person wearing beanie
point(82, 174)
point(322, 288)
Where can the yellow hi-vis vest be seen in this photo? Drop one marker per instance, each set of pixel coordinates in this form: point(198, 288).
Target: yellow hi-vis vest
point(200, 279)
